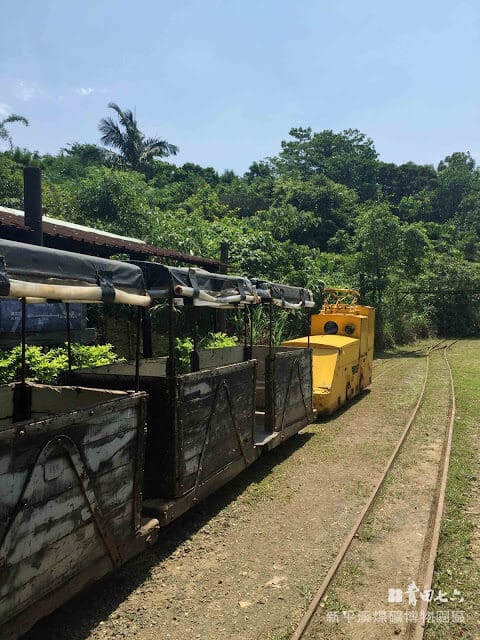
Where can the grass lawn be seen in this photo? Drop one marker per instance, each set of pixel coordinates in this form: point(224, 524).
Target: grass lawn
point(458, 560)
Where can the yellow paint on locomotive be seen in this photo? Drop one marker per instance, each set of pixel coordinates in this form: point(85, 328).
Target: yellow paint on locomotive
point(342, 340)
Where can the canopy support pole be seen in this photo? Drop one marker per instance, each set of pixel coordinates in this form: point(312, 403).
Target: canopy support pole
point(147, 342)
point(247, 351)
point(194, 357)
point(270, 328)
point(24, 331)
point(22, 392)
point(137, 350)
point(171, 336)
point(269, 424)
point(251, 311)
point(69, 336)
point(221, 315)
point(309, 327)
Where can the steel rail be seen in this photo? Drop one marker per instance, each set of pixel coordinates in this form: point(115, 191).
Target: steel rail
point(431, 547)
point(334, 567)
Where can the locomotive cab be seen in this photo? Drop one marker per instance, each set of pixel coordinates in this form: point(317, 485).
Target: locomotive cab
point(341, 340)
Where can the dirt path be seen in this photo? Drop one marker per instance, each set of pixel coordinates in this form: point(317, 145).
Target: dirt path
point(245, 563)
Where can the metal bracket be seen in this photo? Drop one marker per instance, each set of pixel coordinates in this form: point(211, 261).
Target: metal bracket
point(68, 446)
point(221, 385)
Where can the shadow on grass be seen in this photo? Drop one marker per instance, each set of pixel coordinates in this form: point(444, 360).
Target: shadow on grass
point(346, 407)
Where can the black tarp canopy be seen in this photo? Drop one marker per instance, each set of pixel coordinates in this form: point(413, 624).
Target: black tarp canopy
point(203, 287)
point(283, 295)
point(27, 266)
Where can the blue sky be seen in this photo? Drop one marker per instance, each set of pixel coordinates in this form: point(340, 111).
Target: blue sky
point(226, 79)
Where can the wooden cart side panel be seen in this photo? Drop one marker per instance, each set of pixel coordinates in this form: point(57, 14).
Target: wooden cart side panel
point(67, 498)
point(213, 358)
point(160, 470)
point(291, 385)
point(21, 623)
point(216, 420)
point(149, 367)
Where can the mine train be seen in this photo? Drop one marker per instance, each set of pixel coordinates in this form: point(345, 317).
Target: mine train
point(91, 468)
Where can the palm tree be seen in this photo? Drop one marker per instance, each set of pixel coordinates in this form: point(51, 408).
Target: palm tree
point(13, 117)
point(134, 149)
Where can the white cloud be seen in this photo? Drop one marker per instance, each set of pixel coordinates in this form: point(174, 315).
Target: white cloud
point(85, 91)
point(4, 109)
point(24, 91)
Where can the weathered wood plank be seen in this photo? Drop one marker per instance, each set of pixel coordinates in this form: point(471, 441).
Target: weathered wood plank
point(36, 531)
point(149, 367)
point(6, 402)
point(109, 484)
point(71, 420)
point(292, 389)
point(28, 445)
point(113, 489)
point(60, 556)
point(99, 457)
point(54, 400)
point(25, 618)
point(213, 358)
point(220, 402)
point(53, 537)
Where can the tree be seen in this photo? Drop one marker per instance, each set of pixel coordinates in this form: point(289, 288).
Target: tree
point(378, 236)
point(348, 158)
point(72, 162)
point(118, 201)
point(457, 177)
point(13, 117)
point(11, 182)
point(402, 181)
point(134, 150)
point(330, 207)
point(86, 153)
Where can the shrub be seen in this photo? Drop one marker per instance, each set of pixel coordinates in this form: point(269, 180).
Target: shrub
point(44, 364)
point(184, 346)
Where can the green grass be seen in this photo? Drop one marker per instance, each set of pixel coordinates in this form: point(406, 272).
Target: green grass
point(456, 567)
point(366, 532)
point(279, 635)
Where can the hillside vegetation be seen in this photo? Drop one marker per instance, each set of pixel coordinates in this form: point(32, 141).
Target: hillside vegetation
point(326, 208)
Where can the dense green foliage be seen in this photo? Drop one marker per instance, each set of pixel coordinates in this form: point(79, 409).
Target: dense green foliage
point(44, 365)
point(324, 209)
point(185, 346)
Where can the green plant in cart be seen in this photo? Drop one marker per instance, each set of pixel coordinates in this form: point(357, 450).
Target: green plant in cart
point(44, 365)
point(213, 340)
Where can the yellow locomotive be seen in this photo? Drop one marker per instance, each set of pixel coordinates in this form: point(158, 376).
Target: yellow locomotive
point(341, 340)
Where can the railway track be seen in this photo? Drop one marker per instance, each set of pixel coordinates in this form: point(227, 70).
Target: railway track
point(414, 631)
point(388, 367)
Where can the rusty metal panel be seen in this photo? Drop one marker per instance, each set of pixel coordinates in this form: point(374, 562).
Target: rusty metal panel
point(288, 386)
point(69, 495)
